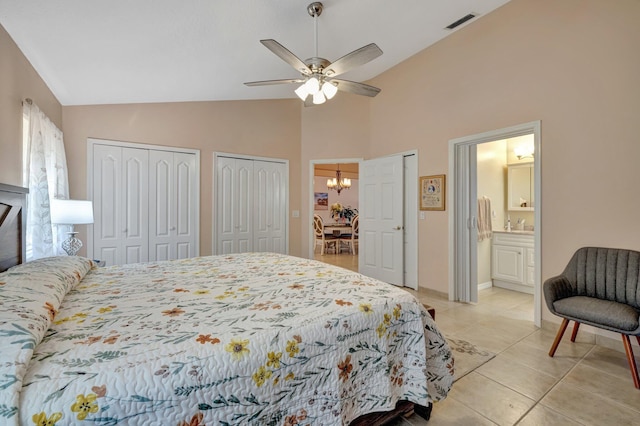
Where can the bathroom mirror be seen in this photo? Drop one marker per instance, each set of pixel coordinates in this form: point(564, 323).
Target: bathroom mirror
point(520, 187)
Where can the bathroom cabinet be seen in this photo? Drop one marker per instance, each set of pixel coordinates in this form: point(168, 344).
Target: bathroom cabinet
point(520, 187)
point(512, 261)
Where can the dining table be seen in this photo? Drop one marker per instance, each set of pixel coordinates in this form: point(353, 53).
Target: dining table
point(337, 229)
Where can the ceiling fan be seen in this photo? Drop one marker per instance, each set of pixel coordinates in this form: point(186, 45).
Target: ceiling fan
point(318, 74)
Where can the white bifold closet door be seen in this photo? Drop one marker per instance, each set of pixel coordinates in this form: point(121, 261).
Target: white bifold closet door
point(145, 204)
point(120, 204)
point(171, 205)
point(251, 200)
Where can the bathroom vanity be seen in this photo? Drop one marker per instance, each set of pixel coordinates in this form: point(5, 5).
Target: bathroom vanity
point(512, 260)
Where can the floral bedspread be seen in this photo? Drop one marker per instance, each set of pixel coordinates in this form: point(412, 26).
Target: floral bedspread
point(257, 338)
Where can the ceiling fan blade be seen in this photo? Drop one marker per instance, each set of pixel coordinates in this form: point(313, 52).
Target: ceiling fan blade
point(357, 88)
point(270, 82)
point(354, 59)
point(284, 54)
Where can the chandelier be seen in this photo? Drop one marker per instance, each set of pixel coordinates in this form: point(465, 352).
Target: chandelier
point(338, 183)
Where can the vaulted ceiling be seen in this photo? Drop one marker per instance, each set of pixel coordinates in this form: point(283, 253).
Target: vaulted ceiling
point(123, 51)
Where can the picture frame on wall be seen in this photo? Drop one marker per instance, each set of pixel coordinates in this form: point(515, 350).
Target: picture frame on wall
point(321, 201)
point(432, 192)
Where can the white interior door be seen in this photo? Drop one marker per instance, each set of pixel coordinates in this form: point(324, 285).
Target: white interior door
point(185, 206)
point(172, 205)
point(381, 219)
point(160, 210)
point(120, 197)
point(146, 202)
point(108, 227)
point(135, 196)
point(234, 205)
point(269, 228)
point(465, 216)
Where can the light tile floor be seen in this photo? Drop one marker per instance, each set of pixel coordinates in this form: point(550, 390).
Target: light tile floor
point(583, 384)
point(344, 260)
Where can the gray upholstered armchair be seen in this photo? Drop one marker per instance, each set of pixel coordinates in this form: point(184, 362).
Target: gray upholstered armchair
point(599, 287)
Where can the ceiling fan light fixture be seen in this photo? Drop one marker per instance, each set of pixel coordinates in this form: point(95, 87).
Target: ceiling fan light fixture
point(302, 92)
point(316, 70)
point(329, 89)
point(319, 98)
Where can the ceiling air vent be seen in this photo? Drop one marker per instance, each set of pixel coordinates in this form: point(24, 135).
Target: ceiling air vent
point(461, 21)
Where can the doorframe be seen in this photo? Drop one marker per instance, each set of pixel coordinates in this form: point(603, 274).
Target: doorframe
point(214, 193)
point(410, 207)
point(312, 168)
point(457, 213)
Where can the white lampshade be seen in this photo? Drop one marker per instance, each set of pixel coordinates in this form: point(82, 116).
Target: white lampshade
point(302, 92)
point(318, 98)
point(312, 85)
point(329, 90)
point(71, 212)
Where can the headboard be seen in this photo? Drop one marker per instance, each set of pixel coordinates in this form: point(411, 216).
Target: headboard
point(13, 200)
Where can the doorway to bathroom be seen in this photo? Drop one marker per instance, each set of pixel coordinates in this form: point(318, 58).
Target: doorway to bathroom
point(495, 216)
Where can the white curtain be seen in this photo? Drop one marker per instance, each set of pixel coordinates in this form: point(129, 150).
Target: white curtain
point(45, 174)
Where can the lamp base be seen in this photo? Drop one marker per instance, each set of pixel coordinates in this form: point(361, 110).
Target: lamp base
point(72, 244)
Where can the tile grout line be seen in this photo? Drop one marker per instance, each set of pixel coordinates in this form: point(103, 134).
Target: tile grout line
point(539, 401)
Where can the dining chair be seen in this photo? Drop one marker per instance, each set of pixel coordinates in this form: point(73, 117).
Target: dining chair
point(352, 239)
point(325, 241)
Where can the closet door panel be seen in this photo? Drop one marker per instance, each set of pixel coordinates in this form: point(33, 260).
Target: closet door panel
point(234, 195)
point(107, 231)
point(134, 211)
point(262, 207)
point(270, 214)
point(279, 208)
point(245, 207)
point(225, 231)
point(183, 222)
point(160, 205)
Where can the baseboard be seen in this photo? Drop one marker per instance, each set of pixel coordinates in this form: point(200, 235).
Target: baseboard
point(428, 290)
point(485, 285)
point(513, 287)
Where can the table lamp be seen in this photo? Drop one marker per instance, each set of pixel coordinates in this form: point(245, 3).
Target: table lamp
point(71, 212)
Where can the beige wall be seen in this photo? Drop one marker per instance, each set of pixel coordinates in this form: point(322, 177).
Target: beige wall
point(260, 128)
point(572, 64)
point(18, 80)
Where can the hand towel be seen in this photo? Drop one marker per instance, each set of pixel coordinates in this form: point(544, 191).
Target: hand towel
point(484, 218)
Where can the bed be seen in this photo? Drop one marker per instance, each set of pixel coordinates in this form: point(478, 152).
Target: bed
point(254, 338)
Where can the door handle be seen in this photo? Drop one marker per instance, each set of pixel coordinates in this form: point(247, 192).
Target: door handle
point(398, 228)
point(173, 228)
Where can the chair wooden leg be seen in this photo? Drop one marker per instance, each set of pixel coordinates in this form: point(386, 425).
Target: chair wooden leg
point(563, 327)
point(631, 359)
point(576, 325)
